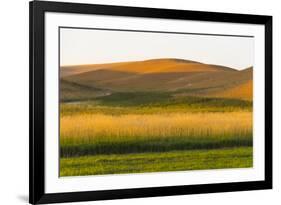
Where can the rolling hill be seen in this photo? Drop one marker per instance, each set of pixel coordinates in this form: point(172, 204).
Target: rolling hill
point(177, 76)
point(147, 66)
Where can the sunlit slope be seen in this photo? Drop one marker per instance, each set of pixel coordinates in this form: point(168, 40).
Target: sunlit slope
point(243, 91)
point(164, 66)
point(147, 66)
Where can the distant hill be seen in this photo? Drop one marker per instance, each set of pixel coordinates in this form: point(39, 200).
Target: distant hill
point(147, 66)
point(182, 77)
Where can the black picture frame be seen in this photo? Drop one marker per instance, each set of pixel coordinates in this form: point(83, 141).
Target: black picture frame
point(37, 11)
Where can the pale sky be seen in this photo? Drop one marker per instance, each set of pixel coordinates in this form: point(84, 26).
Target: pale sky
point(88, 46)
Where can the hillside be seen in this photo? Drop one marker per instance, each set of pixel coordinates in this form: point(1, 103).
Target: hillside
point(70, 91)
point(147, 66)
point(180, 77)
point(243, 91)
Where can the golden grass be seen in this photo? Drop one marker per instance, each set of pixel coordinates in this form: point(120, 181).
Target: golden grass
point(89, 126)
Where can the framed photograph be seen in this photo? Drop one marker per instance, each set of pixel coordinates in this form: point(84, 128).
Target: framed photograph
point(130, 102)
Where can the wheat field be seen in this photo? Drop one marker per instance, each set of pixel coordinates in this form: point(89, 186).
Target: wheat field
point(132, 133)
point(87, 126)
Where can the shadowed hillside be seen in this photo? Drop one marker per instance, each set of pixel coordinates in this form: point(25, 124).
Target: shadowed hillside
point(70, 91)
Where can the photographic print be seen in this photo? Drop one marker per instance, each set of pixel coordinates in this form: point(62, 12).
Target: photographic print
point(130, 102)
point(150, 101)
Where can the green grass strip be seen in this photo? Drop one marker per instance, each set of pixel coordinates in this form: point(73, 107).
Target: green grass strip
point(241, 157)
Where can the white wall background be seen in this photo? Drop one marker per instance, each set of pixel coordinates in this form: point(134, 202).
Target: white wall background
point(14, 100)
